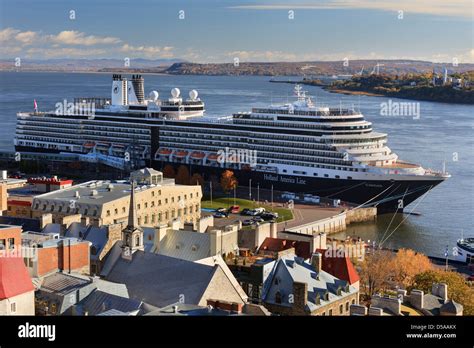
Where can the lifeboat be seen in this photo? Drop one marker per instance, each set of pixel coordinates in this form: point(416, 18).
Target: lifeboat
point(197, 155)
point(89, 145)
point(213, 157)
point(165, 152)
point(103, 145)
point(181, 153)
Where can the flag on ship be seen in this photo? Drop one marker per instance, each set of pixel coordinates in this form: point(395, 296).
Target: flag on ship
point(36, 105)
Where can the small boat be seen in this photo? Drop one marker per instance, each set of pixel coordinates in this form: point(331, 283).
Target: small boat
point(165, 152)
point(213, 157)
point(197, 155)
point(181, 153)
point(89, 145)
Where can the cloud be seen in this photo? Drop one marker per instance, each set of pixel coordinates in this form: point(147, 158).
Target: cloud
point(148, 51)
point(8, 34)
point(27, 37)
point(72, 37)
point(71, 43)
point(456, 8)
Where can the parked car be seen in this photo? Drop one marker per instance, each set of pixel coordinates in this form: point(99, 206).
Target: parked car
point(219, 215)
point(269, 216)
point(221, 210)
point(234, 209)
point(248, 222)
point(258, 219)
point(245, 211)
point(470, 278)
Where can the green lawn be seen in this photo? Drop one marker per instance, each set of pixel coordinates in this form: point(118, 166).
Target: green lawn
point(284, 214)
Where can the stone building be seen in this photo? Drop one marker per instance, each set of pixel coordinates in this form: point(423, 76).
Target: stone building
point(295, 287)
point(106, 202)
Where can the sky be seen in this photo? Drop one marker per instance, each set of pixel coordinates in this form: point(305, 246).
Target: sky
point(208, 31)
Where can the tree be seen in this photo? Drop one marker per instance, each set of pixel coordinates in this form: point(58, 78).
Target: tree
point(196, 179)
point(458, 289)
point(407, 264)
point(182, 177)
point(375, 271)
point(228, 181)
point(168, 171)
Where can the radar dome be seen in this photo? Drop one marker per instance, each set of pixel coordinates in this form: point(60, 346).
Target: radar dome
point(175, 92)
point(154, 95)
point(193, 94)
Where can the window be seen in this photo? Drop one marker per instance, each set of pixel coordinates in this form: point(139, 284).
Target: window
point(347, 306)
point(11, 243)
point(341, 309)
point(152, 204)
point(137, 241)
point(278, 297)
point(330, 312)
point(152, 218)
point(353, 301)
point(159, 202)
point(116, 211)
point(146, 219)
point(123, 209)
point(13, 307)
point(108, 213)
point(138, 206)
point(2, 244)
point(146, 205)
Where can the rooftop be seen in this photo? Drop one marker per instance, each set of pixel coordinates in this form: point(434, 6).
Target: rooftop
point(62, 284)
point(14, 278)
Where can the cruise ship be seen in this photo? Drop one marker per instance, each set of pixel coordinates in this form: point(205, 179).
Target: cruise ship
point(297, 146)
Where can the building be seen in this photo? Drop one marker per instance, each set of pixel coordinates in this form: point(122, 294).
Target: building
point(416, 302)
point(44, 184)
point(162, 280)
point(339, 265)
point(106, 202)
point(47, 253)
point(10, 238)
point(277, 247)
point(192, 245)
point(295, 287)
point(16, 288)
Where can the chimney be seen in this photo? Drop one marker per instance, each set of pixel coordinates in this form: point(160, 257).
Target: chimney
point(417, 299)
point(440, 290)
point(273, 229)
point(317, 261)
point(139, 87)
point(216, 242)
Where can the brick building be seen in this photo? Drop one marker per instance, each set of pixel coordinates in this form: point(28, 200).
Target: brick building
point(49, 253)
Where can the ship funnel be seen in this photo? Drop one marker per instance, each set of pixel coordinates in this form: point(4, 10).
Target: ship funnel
point(139, 87)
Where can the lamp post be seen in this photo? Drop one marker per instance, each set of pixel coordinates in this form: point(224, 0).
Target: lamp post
point(250, 189)
point(258, 193)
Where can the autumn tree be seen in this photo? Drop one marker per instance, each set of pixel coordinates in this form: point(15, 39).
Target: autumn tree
point(458, 289)
point(196, 179)
point(168, 171)
point(375, 271)
point(228, 181)
point(182, 177)
point(407, 264)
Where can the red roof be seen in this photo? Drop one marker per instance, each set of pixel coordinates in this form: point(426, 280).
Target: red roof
point(339, 267)
point(52, 181)
point(18, 202)
point(302, 249)
point(14, 277)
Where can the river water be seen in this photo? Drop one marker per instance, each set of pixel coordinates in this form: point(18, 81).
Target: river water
point(443, 132)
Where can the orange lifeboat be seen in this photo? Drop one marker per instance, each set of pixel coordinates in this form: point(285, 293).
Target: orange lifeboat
point(213, 157)
point(165, 152)
point(181, 153)
point(89, 145)
point(197, 155)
